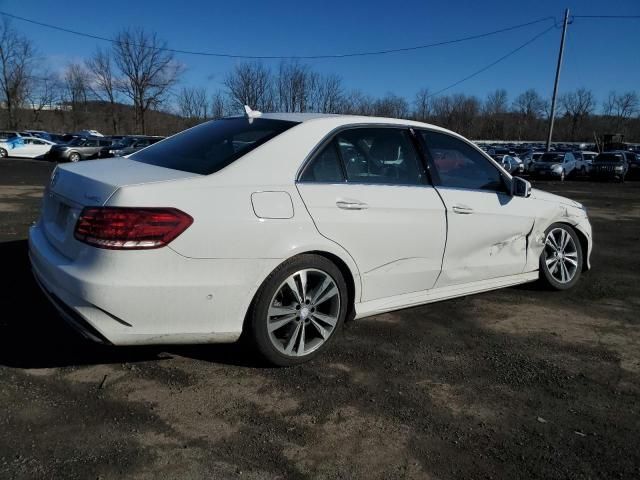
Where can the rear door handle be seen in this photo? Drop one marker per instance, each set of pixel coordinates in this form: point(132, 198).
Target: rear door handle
point(462, 209)
point(351, 205)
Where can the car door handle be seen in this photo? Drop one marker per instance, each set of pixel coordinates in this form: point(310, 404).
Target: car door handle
point(462, 209)
point(351, 205)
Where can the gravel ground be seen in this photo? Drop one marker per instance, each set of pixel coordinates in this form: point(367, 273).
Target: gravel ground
point(517, 383)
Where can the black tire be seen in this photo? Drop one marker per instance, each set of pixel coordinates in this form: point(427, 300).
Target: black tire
point(3, 153)
point(546, 277)
point(258, 314)
point(74, 157)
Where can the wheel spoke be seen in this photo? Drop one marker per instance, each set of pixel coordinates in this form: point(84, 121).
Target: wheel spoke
point(303, 284)
point(291, 283)
point(329, 320)
point(552, 242)
point(321, 288)
point(551, 261)
point(565, 239)
point(571, 261)
point(281, 322)
point(321, 330)
point(332, 292)
point(563, 272)
point(573, 255)
point(301, 341)
point(292, 340)
point(277, 311)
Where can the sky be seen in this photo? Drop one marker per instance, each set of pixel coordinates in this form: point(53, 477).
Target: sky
point(600, 54)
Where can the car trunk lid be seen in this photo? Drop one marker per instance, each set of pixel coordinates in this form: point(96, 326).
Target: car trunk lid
point(91, 183)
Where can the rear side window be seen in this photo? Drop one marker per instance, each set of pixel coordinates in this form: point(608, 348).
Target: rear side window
point(325, 167)
point(380, 155)
point(210, 147)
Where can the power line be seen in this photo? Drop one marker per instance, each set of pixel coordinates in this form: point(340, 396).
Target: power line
point(292, 57)
point(606, 16)
point(492, 64)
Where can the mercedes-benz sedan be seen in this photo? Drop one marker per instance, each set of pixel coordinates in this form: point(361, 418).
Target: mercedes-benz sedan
point(282, 226)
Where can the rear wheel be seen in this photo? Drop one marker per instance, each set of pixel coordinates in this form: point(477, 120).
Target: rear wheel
point(3, 153)
point(298, 310)
point(561, 260)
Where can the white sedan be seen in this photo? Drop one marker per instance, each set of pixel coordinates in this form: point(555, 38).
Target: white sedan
point(25, 147)
point(282, 226)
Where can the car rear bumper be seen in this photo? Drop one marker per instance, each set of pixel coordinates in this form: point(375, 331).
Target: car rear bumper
point(147, 297)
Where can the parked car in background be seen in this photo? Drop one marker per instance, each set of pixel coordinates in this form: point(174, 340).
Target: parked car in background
point(25, 147)
point(280, 226)
point(128, 145)
point(530, 158)
point(554, 165)
point(584, 161)
point(513, 164)
point(633, 159)
point(8, 135)
point(7, 146)
point(611, 166)
point(80, 148)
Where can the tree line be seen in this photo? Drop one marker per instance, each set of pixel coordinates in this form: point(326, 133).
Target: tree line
point(134, 87)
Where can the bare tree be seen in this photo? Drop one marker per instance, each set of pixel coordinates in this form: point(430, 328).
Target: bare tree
point(622, 107)
point(148, 70)
point(422, 105)
point(16, 66)
point(295, 85)
point(392, 106)
point(218, 106)
point(495, 109)
point(327, 94)
point(76, 92)
point(193, 104)
point(577, 106)
point(103, 83)
point(250, 83)
point(45, 93)
point(529, 107)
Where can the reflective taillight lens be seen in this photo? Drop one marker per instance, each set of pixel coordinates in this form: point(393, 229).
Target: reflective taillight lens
point(126, 228)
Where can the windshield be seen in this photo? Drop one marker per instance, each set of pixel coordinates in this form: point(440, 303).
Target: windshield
point(609, 157)
point(210, 147)
point(78, 142)
point(551, 157)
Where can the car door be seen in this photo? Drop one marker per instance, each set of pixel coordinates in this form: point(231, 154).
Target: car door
point(40, 147)
point(569, 163)
point(487, 227)
point(366, 190)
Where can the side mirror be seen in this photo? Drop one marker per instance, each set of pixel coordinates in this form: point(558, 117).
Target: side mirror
point(520, 187)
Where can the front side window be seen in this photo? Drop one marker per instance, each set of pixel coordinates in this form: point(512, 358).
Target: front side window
point(211, 146)
point(459, 165)
point(380, 156)
point(325, 167)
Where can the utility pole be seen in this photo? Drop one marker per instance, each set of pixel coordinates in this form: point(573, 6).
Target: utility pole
point(552, 116)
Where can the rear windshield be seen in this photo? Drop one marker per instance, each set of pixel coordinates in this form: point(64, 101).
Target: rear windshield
point(210, 147)
point(552, 157)
point(609, 157)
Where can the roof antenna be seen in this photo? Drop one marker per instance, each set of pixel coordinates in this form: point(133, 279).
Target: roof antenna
point(251, 113)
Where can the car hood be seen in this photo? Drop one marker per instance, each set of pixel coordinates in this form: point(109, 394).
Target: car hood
point(550, 197)
point(547, 165)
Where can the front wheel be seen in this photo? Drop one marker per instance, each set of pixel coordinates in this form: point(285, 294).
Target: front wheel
point(561, 260)
point(562, 176)
point(3, 153)
point(298, 310)
point(74, 157)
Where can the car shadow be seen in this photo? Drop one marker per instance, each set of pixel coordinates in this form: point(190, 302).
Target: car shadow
point(34, 335)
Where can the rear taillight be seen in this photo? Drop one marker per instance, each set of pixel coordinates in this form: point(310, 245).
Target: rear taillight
point(127, 228)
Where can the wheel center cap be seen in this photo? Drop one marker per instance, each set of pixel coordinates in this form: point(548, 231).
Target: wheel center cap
point(304, 313)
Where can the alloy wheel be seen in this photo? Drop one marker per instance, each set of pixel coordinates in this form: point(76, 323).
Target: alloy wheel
point(561, 255)
point(303, 312)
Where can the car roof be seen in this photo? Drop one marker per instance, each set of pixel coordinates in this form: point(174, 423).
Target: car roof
point(345, 120)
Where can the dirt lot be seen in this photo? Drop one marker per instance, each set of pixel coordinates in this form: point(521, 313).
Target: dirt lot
point(518, 383)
